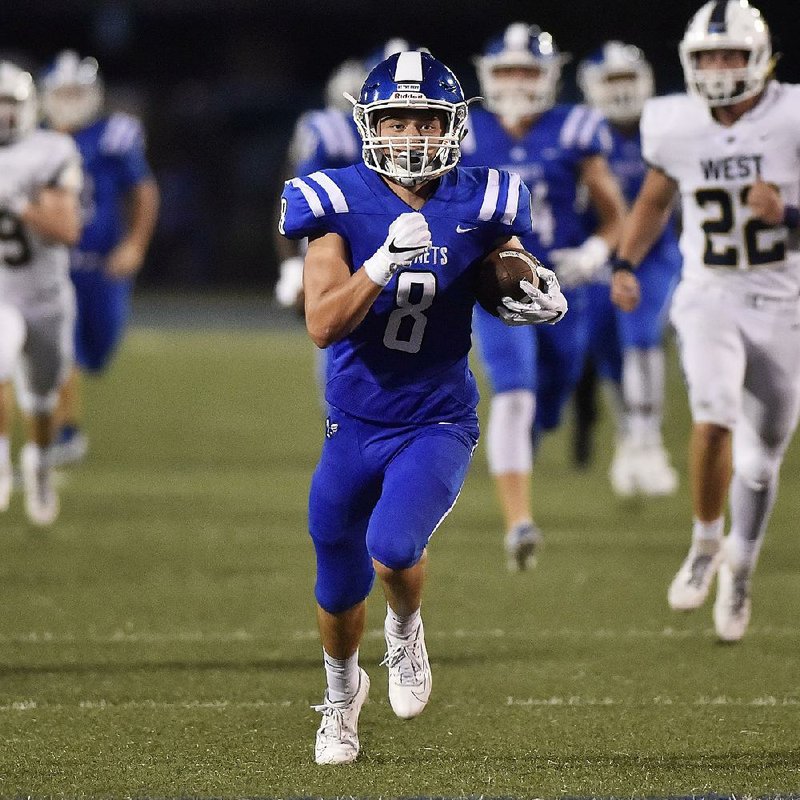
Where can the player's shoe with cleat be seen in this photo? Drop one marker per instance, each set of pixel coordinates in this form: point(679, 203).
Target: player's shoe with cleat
point(410, 676)
point(6, 484)
point(522, 543)
point(689, 587)
point(70, 447)
point(656, 477)
point(337, 735)
point(732, 605)
point(624, 469)
point(41, 498)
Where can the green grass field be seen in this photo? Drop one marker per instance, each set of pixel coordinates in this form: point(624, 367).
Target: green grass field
point(160, 639)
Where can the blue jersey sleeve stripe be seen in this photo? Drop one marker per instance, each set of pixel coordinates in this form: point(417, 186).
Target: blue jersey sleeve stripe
point(310, 197)
point(606, 139)
point(569, 130)
point(589, 128)
point(335, 194)
point(490, 196)
point(512, 199)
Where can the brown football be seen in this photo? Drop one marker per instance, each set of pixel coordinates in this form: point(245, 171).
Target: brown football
point(499, 276)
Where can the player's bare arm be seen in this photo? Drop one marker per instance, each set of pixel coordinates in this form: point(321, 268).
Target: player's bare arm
point(336, 301)
point(127, 257)
point(766, 203)
point(54, 214)
point(606, 198)
point(641, 229)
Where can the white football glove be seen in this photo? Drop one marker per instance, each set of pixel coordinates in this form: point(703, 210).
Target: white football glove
point(548, 306)
point(290, 282)
point(577, 265)
point(408, 238)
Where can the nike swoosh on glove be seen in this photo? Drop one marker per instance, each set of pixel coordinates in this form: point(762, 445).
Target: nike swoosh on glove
point(409, 237)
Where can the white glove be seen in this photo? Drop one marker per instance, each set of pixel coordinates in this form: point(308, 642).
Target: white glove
point(408, 238)
point(290, 282)
point(548, 306)
point(576, 265)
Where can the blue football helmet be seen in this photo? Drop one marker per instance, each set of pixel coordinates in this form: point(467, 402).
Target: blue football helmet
point(411, 81)
point(617, 79)
point(72, 91)
point(516, 96)
point(18, 105)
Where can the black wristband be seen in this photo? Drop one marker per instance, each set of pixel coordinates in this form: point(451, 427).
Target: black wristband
point(621, 265)
point(791, 217)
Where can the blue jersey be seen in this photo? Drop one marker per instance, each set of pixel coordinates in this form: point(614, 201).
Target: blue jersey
point(629, 168)
point(407, 360)
point(114, 162)
point(548, 159)
point(325, 139)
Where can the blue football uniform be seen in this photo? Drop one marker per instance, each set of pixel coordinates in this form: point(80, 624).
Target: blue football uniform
point(403, 423)
point(546, 359)
point(114, 162)
point(325, 139)
point(612, 330)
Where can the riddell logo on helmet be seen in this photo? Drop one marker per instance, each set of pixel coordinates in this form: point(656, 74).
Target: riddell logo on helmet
point(407, 96)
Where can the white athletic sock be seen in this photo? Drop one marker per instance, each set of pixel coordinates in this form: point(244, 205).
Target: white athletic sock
point(643, 389)
point(5, 450)
point(401, 627)
point(750, 511)
point(508, 434)
point(341, 675)
point(616, 401)
point(706, 533)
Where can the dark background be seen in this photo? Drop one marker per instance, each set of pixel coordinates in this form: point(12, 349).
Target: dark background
point(219, 85)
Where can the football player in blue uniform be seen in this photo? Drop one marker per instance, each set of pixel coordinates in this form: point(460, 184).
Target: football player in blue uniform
point(617, 80)
point(389, 282)
point(559, 151)
point(119, 207)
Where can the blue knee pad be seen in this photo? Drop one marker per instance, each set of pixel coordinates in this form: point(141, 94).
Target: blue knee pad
point(380, 493)
point(103, 307)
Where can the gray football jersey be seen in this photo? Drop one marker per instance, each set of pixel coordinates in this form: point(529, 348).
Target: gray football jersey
point(34, 272)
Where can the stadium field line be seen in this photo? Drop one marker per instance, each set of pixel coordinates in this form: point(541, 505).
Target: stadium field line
point(489, 634)
point(571, 701)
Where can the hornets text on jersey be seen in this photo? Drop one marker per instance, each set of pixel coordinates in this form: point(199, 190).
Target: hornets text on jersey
point(407, 361)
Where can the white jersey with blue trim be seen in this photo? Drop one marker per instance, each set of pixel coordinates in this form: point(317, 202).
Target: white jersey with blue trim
point(548, 159)
point(407, 362)
point(714, 166)
point(34, 271)
point(324, 139)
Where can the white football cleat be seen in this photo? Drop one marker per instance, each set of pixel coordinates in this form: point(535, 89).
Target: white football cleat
point(337, 735)
point(521, 544)
point(6, 484)
point(624, 468)
point(41, 499)
point(689, 587)
point(732, 605)
point(656, 477)
point(410, 676)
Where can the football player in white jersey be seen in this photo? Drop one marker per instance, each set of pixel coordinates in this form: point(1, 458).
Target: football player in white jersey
point(731, 147)
point(40, 180)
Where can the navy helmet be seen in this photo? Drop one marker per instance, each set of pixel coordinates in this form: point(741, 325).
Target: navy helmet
point(411, 81)
point(519, 72)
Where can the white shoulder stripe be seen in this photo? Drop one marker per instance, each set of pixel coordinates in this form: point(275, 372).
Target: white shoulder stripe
point(490, 196)
point(569, 130)
point(589, 128)
point(310, 196)
point(332, 190)
point(512, 201)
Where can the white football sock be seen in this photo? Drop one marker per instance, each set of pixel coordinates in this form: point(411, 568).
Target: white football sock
point(508, 434)
point(643, 389)
point(5, 450)
point(401, 627)
point(750, 511)
point(342, 676)
point(708, 532)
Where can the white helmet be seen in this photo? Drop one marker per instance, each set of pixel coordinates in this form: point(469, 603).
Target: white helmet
point(617, 79)
point(347, 78)
point(726, 25)
point(72, 91)
point(18, 107)
point(520, 45)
